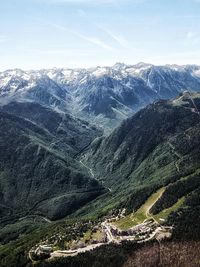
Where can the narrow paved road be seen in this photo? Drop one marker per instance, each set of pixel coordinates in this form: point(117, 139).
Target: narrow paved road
point(92, 174)
point(35, 216)
point(174, 150)
point(151, 236)
point(71, 253)
point(195, 106)
point(108, 232)
point(89, 169)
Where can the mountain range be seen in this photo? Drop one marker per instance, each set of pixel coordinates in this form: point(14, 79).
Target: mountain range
point(80, 144)
point(103, 95)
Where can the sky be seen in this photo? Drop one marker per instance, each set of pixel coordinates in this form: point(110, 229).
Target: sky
point(36, 34)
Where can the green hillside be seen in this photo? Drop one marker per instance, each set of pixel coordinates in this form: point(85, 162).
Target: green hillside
point(159, 146)
point(149, 165)
point(38, 176)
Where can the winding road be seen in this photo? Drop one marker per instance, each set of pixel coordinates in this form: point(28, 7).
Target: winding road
point(92, 174)
point(35, 216)
point(89, 169)
point(179, 156)
point(68, 253)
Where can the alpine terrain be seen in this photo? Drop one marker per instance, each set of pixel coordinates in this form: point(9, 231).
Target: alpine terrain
point(103, 95)
point(100, 167)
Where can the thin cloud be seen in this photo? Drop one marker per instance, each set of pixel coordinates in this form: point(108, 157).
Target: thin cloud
point(93, 40)
point(118, 38)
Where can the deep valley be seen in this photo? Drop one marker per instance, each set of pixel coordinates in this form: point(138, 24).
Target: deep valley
point(100, 166)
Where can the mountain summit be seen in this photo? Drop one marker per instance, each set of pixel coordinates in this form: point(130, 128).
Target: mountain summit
point(103, 95)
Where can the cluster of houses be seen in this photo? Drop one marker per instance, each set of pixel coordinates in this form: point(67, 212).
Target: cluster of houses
point(45, 248)
point(141, 229)
point(40, 252)
point(91, 241)
point(108, 233)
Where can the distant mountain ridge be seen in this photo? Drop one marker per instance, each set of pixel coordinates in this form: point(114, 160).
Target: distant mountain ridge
point(102, 95)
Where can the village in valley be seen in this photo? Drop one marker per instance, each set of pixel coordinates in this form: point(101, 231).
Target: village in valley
point(98, 234)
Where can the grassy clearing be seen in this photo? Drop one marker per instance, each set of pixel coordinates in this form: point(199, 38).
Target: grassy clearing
point(125, 223)
point(90, 235)
point(98, 235)
point(87, 236)
point(144, 209)
point(141, 214)
point(165, 213)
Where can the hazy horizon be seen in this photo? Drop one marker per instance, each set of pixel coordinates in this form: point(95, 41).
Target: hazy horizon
point(101, 66)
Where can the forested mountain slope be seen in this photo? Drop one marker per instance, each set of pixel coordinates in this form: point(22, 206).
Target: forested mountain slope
point(159, 146)
point(38, 172)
